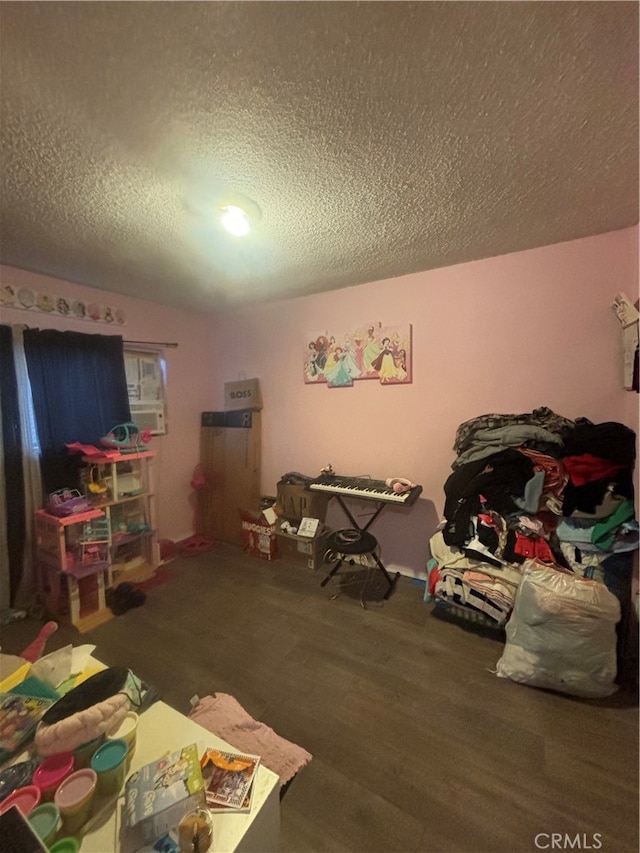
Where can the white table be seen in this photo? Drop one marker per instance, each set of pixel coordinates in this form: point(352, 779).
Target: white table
point(162, 729)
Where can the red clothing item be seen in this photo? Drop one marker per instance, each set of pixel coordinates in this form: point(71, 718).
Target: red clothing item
point(434, 577)
point(586, 468)
point(488, 520)
point(533, 549)
point(555, 477)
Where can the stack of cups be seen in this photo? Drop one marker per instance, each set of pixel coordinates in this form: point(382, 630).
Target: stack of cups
point(25, 798)
point(109, 763)
point(84, 753)
point(74, 798)
point(52, 772)
point(45, 822)
point(65, 845)
point(127, 731)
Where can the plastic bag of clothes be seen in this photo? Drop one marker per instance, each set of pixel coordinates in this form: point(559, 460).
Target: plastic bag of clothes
point(562, 634)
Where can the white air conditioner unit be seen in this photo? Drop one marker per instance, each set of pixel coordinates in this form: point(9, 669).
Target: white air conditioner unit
point(149, 418)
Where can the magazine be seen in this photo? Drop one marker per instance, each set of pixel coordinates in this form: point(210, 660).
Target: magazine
point(228, 778)
point(19, 716)
point(245, 807)
point(159, 794)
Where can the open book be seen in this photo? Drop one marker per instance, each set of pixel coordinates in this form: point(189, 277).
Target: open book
point(228, 778)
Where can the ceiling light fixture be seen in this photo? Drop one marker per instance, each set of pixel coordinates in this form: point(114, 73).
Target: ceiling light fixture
point(235, 220)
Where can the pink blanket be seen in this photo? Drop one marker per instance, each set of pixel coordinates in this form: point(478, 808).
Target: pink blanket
point(222, 715)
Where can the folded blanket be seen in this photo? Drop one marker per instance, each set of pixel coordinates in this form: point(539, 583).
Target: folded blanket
point(225, 717)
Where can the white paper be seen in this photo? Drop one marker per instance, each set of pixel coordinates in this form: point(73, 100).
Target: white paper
point(53, 668)
point(270, 515)
point(308, 527)
point(80, 658)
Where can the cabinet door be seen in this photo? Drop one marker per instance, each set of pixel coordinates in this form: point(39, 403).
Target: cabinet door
point(230, 453)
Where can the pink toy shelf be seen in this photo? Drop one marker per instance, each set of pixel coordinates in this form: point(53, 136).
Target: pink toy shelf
point(73, 562)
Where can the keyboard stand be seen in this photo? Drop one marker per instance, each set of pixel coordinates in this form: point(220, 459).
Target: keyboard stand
point(344, 556)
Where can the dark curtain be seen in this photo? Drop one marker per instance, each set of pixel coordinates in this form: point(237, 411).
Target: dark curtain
point(12, 448)
point(79, 390)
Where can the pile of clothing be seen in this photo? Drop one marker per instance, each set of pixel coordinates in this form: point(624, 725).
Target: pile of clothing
point(537, 488)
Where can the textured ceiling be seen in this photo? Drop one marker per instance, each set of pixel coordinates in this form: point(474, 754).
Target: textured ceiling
point(376, 139)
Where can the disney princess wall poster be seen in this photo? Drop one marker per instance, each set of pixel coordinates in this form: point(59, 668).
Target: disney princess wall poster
point(370, 350)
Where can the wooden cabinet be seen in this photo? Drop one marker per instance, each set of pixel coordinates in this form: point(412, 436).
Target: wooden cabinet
point(81, 556)
point(230, 450)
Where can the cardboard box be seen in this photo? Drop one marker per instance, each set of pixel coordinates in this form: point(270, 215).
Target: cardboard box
point(259, 533)
point(296, 502)
point(243, 394)
point(302, 550)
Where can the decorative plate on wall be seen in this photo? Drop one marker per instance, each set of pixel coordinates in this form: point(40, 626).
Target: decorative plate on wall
point(63, 306)
point(45, 302)
point(8, 294)
point(26, 297)
point(79, 309)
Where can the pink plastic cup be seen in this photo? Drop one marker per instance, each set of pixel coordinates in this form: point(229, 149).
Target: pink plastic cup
point(52, 772)
point(26, 799)
point(74, 798)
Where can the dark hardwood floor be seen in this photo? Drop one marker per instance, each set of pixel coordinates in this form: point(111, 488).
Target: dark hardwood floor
point(417, 744)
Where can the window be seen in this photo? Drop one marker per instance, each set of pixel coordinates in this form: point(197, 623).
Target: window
point(146, 389)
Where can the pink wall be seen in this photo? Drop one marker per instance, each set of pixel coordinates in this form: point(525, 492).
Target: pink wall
point(505, 334)
point(188, 379)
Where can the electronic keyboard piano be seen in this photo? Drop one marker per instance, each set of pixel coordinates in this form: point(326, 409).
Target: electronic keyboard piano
point(364, 488)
